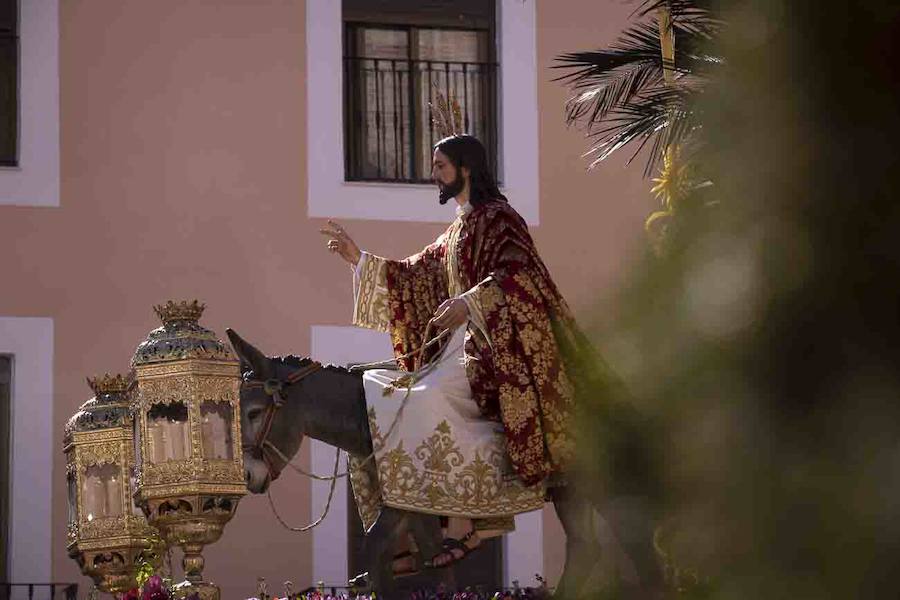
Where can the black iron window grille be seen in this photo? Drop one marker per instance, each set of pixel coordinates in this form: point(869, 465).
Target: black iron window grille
point(38, 591)
point(9, 82)
point(391, 74)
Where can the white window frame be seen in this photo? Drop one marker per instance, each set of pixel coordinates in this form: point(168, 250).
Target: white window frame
point(30, 341)
point(523, 549)
point(329, 195)
point(35, 181)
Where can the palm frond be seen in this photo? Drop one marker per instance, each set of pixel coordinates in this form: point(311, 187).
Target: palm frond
point(597, 102)
point(662, 118)
point(607, 79)
point(697, 15)
point(621, 96)
point(639, 44)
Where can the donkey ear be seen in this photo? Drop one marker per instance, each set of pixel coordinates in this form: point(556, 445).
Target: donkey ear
point(251, 358)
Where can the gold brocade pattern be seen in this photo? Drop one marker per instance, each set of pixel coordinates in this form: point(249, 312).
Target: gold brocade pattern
point(436, 478)
point(364, 482)
point(532, 384)
point(452, 265)
point(371, 308)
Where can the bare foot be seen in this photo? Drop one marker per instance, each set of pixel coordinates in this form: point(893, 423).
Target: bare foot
point(456, 549)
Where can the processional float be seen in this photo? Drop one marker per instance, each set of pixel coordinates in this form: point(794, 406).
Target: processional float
point(165, 468)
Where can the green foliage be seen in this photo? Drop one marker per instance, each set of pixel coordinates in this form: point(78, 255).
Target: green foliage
point(145, 570)
point(762, 345)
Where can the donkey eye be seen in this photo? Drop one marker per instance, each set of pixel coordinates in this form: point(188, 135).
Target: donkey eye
point(254, 414)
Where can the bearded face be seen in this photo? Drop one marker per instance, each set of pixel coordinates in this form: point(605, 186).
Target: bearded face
point(450, 190)
point(449, 179)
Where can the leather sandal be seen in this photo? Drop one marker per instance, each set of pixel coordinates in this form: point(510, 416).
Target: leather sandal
point(451, 544)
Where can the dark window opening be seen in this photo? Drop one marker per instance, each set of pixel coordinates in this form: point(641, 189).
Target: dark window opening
point(9, 83)
point(5, 429)
point(396, 56)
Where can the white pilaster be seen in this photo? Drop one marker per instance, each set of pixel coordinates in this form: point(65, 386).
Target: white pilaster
point(30, 342)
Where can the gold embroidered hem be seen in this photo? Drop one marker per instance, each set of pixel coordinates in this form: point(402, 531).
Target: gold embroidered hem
point(435, 478)
point(367, 493)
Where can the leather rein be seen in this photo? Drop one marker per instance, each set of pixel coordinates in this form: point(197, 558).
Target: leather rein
point(275, 389)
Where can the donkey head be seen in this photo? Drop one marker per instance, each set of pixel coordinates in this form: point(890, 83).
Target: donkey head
point(261, 464)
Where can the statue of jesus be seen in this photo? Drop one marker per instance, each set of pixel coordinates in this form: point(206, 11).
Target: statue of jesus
point(485, 430)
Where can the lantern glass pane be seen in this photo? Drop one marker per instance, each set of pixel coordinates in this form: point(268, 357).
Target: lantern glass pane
point(168, 432)
point(136, 428)
point(216, 420)
point(101, 491)
point(71, 498)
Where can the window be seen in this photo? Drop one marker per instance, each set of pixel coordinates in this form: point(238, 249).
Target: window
point(330, 195)
point(9, 82)
point(397, 56)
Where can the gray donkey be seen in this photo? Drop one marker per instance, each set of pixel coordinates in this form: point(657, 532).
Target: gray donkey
point(284, 398)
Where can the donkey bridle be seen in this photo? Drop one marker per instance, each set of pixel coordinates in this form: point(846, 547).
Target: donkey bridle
point(274, 388)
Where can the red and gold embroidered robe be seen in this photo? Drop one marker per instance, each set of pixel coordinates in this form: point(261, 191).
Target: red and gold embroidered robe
point(521, 339)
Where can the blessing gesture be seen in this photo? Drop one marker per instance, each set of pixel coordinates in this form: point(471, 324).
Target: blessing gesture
point(340, 242)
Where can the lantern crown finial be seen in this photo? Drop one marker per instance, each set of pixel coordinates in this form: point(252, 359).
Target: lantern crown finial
point(173, 311)
point(108, 384)
point(181, 337)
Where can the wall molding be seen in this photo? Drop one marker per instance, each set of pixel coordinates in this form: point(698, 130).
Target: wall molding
point(30, 341)
point(35, 182)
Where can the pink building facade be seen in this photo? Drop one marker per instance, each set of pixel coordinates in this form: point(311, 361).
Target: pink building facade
point(180, 150)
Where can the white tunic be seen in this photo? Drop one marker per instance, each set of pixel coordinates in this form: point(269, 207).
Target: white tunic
point(442, 456)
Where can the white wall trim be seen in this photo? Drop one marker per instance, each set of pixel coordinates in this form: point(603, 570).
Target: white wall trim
point(30, 341)
point(35, 182)
point(337, 345)
point(523, 551)
point(330, 196)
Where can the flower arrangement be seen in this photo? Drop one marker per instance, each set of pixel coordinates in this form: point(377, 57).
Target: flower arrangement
point(522, 594)
point(155, 587)
point(439, 593)
point(151, 585)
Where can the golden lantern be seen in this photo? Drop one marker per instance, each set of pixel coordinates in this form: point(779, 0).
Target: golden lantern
point(185, 403)
point(107, 534)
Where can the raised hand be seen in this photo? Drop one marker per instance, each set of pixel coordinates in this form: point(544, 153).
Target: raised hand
point(452, 313)
point(340, 242)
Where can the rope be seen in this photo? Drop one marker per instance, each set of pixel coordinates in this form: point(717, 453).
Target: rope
point(418, 350)
point(327, 502)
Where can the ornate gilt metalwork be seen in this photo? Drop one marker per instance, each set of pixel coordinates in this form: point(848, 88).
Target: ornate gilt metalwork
point(98, 440)
point(190, 476)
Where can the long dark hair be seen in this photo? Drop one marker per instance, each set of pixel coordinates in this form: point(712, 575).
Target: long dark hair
point(466, 151)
